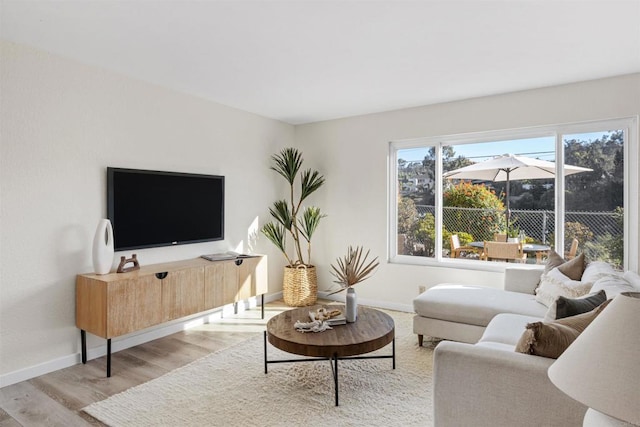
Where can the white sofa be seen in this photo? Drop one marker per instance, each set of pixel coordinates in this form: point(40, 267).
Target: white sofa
point(482, 381)
point(460, 312)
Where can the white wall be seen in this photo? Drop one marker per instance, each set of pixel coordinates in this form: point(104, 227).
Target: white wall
point(353, 155)
point(62, 124)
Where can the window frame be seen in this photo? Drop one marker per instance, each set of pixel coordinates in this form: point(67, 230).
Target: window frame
point(629, 126)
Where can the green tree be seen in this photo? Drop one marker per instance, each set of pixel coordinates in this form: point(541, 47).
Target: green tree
point(484, 219)
point(450, 161)
point(426, 234)
point(407, 216)
point(605, 184)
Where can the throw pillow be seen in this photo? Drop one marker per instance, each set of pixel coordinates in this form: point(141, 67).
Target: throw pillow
point(567, 307)
point(574, 268)
point(612, 285)
point(633, 278)
point(555, 284)
point(553, 260)
point(553, 338)
point(596, 270)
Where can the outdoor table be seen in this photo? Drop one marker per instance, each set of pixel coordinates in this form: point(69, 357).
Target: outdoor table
point(529, 248)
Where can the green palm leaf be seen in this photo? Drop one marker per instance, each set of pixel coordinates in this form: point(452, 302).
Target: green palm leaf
point(287, 163)
point(276, 234)
point(309, 222)
point(310, 182)
point(280, 211)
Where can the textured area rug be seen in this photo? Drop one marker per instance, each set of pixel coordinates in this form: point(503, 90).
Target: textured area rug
point(230, 388)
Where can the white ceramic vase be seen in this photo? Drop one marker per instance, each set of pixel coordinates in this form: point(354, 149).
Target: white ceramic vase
point(351, 305)
point(103, 247)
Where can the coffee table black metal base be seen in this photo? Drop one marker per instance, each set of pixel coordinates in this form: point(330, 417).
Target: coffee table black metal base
point(372, 331)
point(334, 361)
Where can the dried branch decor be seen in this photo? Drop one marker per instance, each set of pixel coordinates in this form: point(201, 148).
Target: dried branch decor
point(352, 268)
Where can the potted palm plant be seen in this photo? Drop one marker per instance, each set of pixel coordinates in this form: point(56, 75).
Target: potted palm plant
point(300, 285)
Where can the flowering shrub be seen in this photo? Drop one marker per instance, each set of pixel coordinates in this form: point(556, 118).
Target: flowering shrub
point(489, 219)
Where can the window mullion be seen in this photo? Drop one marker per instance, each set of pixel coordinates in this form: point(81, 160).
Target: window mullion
point(438, 201)
point(559, 196)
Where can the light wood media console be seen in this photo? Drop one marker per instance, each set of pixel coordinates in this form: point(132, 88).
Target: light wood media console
point(115, 304)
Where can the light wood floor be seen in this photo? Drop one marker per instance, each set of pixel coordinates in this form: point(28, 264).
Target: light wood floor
point(56, 399)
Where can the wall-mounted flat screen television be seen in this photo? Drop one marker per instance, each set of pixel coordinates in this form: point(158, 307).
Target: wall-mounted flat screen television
point(153, 208)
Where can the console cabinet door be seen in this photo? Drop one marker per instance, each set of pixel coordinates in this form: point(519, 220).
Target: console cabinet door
point(133, 304)
point(121, 308)
point(148, 309)
point(183, 293)
point(221, 283)
point(252, 277)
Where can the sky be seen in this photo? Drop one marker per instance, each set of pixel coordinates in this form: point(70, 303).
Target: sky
point(542, 148)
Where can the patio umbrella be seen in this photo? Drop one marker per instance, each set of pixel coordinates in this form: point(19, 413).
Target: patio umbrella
point(511, 167)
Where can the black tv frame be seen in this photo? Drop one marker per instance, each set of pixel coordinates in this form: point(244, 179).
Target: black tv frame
point(111, 208)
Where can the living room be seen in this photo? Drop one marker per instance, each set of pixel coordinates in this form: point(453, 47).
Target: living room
point(65, 120)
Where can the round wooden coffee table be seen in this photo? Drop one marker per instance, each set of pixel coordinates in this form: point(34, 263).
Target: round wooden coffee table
point(371, 331)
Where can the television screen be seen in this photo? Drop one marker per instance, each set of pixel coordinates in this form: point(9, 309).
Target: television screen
point(152, 208)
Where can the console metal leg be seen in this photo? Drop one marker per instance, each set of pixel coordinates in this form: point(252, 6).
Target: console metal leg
point(262, 305)
point(108, 357)
point(235, 308)
point(83, 341)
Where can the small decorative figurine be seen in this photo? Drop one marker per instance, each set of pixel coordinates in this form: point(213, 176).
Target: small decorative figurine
point(124, 261)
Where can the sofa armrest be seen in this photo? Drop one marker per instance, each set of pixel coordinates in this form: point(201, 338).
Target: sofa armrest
point(524, 280)
point(482, 386)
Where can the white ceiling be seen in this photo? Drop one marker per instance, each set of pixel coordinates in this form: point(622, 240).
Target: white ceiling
point(306, 61)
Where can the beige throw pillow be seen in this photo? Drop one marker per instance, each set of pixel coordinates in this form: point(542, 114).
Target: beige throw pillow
point(574, 268)
point(553, 338)
point(553, 260)
point(555, 284)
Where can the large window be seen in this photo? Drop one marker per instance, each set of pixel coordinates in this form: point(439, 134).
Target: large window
point(547, 188)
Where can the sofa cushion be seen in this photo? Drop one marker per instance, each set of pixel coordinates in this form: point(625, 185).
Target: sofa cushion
point(553, 338)
point(566, 307)
point(506, 328)
point(555, 284)
point(474, 305)
point(496, 345)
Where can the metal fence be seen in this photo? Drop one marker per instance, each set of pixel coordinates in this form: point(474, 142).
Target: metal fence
point(594, 230)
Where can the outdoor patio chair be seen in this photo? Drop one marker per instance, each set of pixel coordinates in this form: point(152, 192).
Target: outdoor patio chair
point(572, 251)
point(503, 251)
point(456, 249)
point(497, 237)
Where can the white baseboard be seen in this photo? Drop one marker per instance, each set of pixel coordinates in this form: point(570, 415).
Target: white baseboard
point(128, 341)
point(408, 308)
point(162, 331)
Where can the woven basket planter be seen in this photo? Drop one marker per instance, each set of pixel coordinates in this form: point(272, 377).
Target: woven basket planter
point(300, 286)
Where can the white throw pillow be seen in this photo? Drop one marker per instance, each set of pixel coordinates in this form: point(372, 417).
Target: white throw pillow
point(554, 284)
point(633, 278)
point(612, 285)
point(596, 270)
